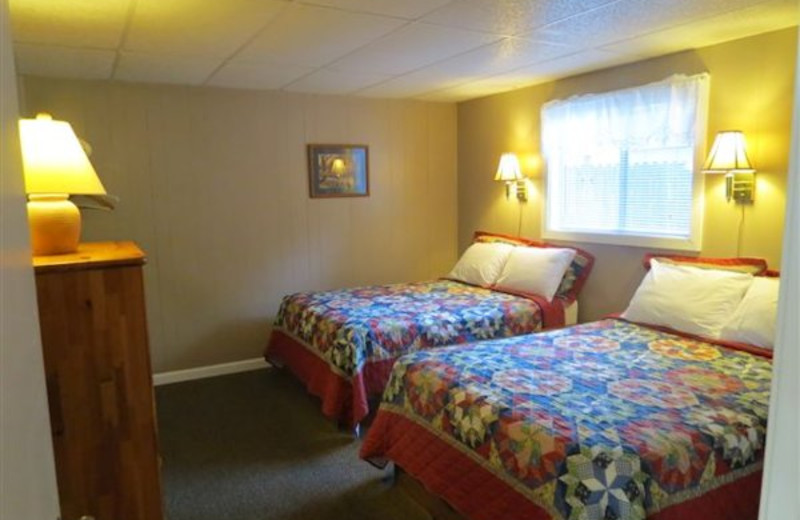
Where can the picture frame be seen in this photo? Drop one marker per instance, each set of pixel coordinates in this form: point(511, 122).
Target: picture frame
point(338, 170)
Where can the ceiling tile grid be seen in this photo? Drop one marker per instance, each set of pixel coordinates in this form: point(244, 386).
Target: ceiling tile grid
point(445, 50)
point(163, 68)
point(407, 9)
point(509, 17)
point(412, 47)
point(198, 27)
point(74, 23)
point(314, 36)
point(64, 62)
point(335, 81)
point(270, 76)
point(502, 56)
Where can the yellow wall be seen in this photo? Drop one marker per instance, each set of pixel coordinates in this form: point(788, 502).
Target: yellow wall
point(213, 185)
point(751, 89)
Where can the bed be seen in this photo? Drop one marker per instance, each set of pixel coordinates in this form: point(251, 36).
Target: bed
point(606, 420)
point(341, 344)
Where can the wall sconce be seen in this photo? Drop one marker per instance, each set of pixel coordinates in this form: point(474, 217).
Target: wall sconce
point(508, 171)
point(729, 156)
point(55, 167)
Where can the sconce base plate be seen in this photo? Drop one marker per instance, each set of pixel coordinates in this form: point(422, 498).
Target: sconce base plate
point(740, 186)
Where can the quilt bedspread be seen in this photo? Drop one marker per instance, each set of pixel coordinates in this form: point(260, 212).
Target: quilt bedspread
point(608, 420)
point(351, 327)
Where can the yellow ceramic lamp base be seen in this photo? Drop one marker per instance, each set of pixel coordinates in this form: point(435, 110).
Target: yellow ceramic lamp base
point(55, 224)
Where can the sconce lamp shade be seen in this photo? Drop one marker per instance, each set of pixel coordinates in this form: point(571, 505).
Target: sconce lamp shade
point(55, 167)
point(508, 169)
point(728, 154)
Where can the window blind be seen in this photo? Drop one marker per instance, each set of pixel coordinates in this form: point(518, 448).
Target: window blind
point(623, 163)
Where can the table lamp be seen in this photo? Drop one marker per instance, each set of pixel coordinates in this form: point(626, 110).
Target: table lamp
point(55, 167)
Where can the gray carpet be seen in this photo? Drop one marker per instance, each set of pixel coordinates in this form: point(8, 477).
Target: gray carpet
point(255, 446)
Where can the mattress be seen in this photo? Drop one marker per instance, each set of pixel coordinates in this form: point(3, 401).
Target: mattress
point(603, 420)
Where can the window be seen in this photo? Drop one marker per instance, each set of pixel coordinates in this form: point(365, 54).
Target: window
point(622, 167)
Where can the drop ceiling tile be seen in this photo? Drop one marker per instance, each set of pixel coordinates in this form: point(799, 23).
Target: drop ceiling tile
point(326, 81)
point(402, 87)
point(765, 17)
point(262, 76)
point(411, 47)
point(571, 65)
point(503, 56)
point(63, 62)
point(437, 49)
point(508, 17)
point(164, 68)
point(75, 23)
point(629, 18)
point(408, 9)
point(198, 27)
point(444, 96)
point(314, 36)
point(574, 64)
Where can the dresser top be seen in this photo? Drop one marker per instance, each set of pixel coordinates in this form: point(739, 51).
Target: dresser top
point(91, 255)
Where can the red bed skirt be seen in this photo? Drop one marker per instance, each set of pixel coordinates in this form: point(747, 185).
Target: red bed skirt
point(343, 400)
point(478, 494)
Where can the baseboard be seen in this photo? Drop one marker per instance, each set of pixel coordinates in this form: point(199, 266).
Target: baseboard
point(176, 376)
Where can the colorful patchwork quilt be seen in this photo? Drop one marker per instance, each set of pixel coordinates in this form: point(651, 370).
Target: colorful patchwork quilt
point(351, 327)
point(607, 420)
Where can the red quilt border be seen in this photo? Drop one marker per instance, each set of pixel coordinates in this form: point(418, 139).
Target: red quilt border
point(478, 494)
point(343, 400)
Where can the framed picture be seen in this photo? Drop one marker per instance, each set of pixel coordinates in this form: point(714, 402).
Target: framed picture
point(338, 170)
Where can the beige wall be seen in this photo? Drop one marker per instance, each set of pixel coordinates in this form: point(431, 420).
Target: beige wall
point(751, 90)
point(27, 473)
point(213, 185)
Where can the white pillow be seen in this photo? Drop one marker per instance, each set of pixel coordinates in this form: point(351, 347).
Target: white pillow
point(481, 263)
point(688, 299)
point(754, 319)
point(536, 270)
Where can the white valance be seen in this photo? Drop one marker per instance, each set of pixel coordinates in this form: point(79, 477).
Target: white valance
point(658, 115)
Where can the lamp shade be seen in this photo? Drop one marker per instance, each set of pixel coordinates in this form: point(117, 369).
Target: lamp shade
point(728, 154)
point(508, 169)
point(53, 159)
point(338, 167)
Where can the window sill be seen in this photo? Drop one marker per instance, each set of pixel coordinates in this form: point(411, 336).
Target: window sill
point(648, 242)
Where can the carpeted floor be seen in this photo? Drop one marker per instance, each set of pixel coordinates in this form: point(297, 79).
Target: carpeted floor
point(255, 446)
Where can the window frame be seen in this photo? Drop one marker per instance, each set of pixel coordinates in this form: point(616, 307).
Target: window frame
point(695, 240)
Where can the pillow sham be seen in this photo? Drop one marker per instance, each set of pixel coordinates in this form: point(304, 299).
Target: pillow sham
point(577, 272)
point(754, 319)
point(536, 270)
point(688, 299)
point(481, 264)
point(754, 266)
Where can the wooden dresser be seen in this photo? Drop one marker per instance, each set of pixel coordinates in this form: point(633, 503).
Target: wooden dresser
point(99, 383)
